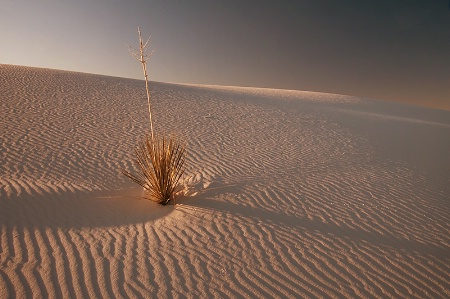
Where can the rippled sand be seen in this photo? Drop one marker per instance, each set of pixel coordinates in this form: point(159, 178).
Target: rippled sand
point(288, 194)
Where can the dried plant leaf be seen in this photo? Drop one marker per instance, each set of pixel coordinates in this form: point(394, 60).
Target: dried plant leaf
point(161, 165)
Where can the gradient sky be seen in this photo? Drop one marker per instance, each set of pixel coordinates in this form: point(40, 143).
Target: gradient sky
point(386, 49)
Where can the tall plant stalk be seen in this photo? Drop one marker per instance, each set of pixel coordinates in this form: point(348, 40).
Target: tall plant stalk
point(142, 58)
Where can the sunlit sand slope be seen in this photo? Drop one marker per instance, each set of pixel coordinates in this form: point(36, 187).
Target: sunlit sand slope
point(288, 194)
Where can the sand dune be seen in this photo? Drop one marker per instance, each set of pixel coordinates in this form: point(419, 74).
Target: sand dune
point(288, 194)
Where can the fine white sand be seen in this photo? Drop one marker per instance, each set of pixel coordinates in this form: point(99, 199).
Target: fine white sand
point(288, 194)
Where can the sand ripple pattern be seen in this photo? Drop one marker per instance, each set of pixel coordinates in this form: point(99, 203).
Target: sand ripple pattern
point(288, 194)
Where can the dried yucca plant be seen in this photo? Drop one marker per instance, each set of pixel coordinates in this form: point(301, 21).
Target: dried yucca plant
point(160, 159)
point(161, 162)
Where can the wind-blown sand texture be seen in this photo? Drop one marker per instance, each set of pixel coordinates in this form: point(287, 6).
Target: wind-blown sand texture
point(291, 194)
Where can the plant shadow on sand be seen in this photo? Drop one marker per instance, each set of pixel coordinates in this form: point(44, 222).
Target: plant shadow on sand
point(80, 209)
point(204, 205)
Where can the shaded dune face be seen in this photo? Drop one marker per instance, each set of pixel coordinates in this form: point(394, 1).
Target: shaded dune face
point(286, 193)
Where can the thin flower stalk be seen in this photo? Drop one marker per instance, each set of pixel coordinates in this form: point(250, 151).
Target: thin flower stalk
point(142, 57)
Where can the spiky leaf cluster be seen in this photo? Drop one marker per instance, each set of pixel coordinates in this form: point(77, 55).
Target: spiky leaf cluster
point(161, 163)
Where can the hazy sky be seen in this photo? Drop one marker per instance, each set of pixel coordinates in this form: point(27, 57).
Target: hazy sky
point(386, 49)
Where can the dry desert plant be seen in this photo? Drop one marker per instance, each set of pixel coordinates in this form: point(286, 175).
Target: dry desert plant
point(161, 162)
point(160, 159)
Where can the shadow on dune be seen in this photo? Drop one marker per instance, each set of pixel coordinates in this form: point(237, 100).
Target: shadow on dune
point(415, 135)
point(205, 205)
point(80, 209)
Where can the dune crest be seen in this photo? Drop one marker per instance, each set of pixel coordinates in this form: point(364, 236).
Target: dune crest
point(289, 194)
